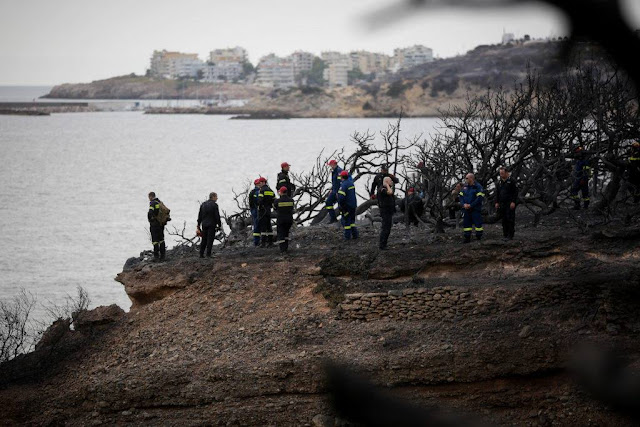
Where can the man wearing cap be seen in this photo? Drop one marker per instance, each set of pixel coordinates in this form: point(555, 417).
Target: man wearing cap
point(265, 203)
point(413, 206)
point(253, 207)
point(284, 208)
point(471, 197)
point(335, 186)
point(581, 175)
point(348, 204)
point(634, 170)
point(377, 181)
point(284, 181)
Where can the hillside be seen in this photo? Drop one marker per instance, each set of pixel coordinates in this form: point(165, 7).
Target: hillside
point(422, 91)
point(242, 339)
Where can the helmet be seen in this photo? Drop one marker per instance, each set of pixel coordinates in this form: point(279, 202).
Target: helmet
point(578, 149)
point(420, 165)
point(284, 165)
point(256, 181)
point(332, 163)
point(344, 174)
point(282, 189)
point(263, 179)
point(410, 190)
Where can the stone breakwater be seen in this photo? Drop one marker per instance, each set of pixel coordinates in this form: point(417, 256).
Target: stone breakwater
point(449, 303)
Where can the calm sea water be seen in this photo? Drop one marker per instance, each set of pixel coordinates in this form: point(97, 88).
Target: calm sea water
point(73, 198)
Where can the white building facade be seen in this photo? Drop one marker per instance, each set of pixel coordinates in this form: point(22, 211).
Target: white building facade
point(275, 72)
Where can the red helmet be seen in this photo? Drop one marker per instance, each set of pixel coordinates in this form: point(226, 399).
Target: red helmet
point(332, 163)
point(256, 181)
point(284, 165)
point(344, 174)
point(263, 179)
point(282, 189)
point(410, 190)
point(420, 165)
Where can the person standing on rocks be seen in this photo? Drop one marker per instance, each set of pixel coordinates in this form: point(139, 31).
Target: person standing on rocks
point(283, 179)
point(506, 197)
point(253, 207)
point(284, 208)
point(209, 217)
point(265, 204)
point(387, 205)
point(471, 197)
point(348, 203)
point(156, 227)
point(333, 194)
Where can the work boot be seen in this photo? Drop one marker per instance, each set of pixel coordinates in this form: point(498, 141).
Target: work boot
point(467, 239)
point(576, 206)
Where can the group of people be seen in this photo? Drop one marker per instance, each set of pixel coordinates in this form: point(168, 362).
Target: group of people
point(468, 198)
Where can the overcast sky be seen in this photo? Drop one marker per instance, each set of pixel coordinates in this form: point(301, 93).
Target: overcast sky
point(58, 41)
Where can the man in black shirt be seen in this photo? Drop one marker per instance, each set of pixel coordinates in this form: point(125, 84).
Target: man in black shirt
point(209, 217)
point(377, 181)
point(265, 204)
point(283, 179)
point(387, 205)
point(506, 197)
point(284, 208)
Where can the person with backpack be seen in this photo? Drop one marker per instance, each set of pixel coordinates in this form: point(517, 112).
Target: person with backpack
point(158, 216)
point(209, 217)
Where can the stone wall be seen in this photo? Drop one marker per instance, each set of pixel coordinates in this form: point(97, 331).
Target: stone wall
point(450, 302)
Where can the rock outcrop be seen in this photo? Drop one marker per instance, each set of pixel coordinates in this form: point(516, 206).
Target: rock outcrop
point(485, 329)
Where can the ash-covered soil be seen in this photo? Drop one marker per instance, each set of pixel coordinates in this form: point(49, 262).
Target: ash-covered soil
point(242, 338)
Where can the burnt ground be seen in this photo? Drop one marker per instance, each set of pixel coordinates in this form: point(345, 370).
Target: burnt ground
point(242, 339)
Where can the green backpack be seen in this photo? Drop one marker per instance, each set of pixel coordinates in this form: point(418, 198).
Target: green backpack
point(163, 214)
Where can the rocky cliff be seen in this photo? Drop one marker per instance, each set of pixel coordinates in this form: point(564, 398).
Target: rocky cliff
point(485, 329)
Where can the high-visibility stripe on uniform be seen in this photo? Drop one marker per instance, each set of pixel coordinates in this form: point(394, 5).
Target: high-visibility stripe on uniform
point(329, 207)
point(256, 234)
point(347, 227)
point(269, 193)
point(260, 195)
point(285, 204)
point(461, 193)
point(480, 194)
point(479, 229)
point(282, 180)
point(467, 229)
point(342, 192)
point(634, 158)
point(351, 188)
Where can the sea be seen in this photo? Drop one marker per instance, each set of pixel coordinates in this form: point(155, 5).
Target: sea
point(73, 186)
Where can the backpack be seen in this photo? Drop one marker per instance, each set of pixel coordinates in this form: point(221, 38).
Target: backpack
point(163, 214)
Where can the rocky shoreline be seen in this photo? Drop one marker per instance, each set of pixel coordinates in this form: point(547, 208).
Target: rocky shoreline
point(243, 338)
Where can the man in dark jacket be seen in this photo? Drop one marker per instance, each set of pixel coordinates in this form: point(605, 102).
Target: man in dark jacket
point(284, 208)
point(156, 228)
point(284, 181)
point(634, 170)
point(253, 207)
point(209, 218)
point(335, 186)
point(471, 197)
point(348, 203)
point(506, 198)
point(387, 205)
point(413, 207)
point(377, 181)
point(265, 204)
point(581, 175)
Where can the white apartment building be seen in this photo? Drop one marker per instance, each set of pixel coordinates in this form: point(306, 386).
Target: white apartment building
point(337, 74)
point(275, 72)
point(368, 62)
point(302, 61)
point(222, 72)
point(173, 65)
point(235, 54)
point(411, 56)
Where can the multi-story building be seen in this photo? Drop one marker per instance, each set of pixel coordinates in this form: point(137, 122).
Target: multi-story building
point(222, 72)
point(411, 56)
point(302, 61)
point(173, 65)
point(230, 55)
point(275, 72)
point(337, 74)
point(368, 62)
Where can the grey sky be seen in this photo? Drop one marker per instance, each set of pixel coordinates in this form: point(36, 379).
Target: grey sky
point(58, 41)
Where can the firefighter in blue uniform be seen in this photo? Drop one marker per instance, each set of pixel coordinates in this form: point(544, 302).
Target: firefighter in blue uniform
point(471, 197)
point(335, 186)
point(285, 209)
point(265, 204)
point(581, 175)
point(348, 204)
point(253, 206)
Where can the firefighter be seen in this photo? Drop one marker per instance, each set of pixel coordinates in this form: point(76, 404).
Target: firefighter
point(253, 207)
point(335, 186)
point(377, 181)
point(581, 175)
point(283, 179)
point(284, 208)
point(471, 197)
point(265, 203)
point(348, 204)
point(506, 197)
point(156, 228)
point(634, 170)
